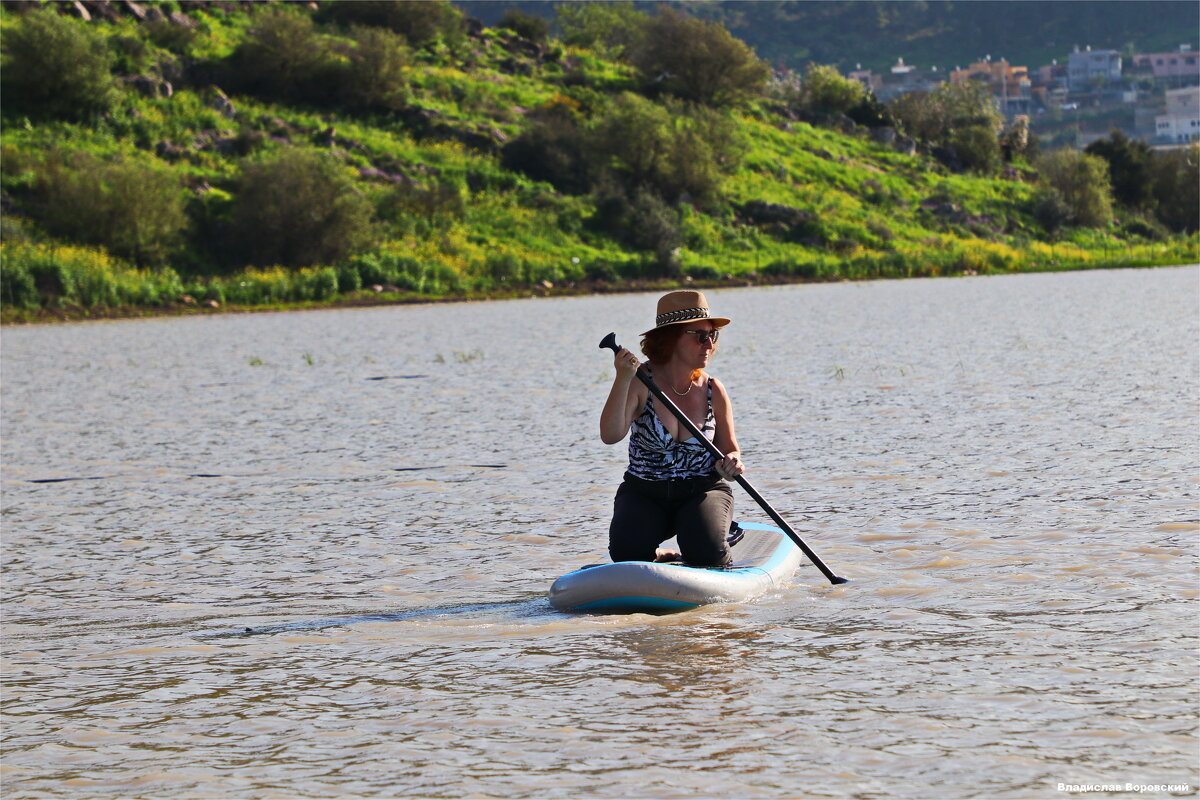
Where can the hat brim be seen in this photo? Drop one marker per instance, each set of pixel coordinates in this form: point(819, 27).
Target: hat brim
point(720, 322)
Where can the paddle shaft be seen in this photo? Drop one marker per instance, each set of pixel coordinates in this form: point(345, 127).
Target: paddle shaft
point(610, 342)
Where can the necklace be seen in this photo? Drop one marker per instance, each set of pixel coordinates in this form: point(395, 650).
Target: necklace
point(681, 394)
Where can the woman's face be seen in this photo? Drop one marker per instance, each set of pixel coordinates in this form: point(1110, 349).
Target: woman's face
point(697, 343)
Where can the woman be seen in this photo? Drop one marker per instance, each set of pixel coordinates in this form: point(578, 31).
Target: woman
point(674, 486)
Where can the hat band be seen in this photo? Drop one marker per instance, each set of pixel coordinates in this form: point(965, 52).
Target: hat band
point(680, 316)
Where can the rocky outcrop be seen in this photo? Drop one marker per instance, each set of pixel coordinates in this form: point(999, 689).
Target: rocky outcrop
point(820, 119)
point(149, 86)
point(948, 157)
point(784, 222)
point(426, 123)
point(757, 212)
point(218, 100)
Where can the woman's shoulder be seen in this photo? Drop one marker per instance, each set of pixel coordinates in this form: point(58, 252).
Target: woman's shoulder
point(719, 393)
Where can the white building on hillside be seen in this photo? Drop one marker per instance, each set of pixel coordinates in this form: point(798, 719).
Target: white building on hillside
point(1181, 123)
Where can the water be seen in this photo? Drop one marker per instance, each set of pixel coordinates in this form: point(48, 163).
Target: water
point(306, 555)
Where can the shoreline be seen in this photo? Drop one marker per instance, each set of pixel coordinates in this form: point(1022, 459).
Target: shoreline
point(367, 299)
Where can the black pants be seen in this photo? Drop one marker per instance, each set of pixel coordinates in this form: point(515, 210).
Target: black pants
point(697, 511)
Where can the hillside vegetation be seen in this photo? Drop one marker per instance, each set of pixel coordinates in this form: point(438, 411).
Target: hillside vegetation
point(209, 154)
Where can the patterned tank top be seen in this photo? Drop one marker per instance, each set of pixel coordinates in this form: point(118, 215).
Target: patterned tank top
point(654, 455)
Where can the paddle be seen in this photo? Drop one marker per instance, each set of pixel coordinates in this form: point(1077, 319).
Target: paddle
point(610, 342)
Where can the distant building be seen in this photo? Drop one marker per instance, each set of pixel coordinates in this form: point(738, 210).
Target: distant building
point(1181, 122)
point(1011, 85)
point(905, 79)
point(867, 78)
point(1087, 67)
point(1180, 67)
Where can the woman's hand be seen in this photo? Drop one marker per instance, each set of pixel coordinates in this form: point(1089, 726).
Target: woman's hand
point(730, 466)
point(622, 403)
point(626, 363)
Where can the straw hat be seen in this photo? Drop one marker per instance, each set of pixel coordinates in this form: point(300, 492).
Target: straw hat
point(683, 306)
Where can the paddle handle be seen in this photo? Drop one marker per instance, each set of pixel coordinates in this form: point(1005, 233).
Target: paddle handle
point(610, 342)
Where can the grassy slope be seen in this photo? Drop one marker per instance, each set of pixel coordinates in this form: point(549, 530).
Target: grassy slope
point(873, 203)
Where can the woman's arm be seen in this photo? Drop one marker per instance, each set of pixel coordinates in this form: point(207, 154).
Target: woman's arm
point(624, 401)
point(726, 438)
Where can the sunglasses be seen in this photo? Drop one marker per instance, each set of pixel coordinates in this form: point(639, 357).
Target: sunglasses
point(703, 336)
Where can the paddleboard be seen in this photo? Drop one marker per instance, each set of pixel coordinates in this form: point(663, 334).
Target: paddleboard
point(763, 560)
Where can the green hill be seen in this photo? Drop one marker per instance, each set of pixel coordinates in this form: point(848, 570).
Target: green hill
point(206, 154)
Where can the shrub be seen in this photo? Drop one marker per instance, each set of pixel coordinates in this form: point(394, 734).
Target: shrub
point(1128, 168)
point(809, 270)
point(170, 36)
point(615, 27)
point(18, 289)
point(824, 89)
point(376, 76)
point(602, 271)
point(552, 149)
point(527, 26)
point(284, 58)
point(420, 22)
point(698, 61)
point(1049, 209)
point(440, 202)
point(1150, 229)
point(298, 209)
point(133, 210)
point(642, 221)
point(51, 275)
point(977, 147)
point(1082, 181)
point(403, 272)
point(56, 67)
point(503, 268)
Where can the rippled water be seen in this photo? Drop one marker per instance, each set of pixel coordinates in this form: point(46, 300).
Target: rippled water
point(306, 555)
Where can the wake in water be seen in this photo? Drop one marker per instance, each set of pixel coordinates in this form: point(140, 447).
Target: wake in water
point(520, 609)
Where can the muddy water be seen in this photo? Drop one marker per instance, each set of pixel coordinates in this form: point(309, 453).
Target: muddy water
point(306, 555)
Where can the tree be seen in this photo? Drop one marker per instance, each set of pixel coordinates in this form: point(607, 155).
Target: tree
point(934, 116)
point(1082, 181)
point(615, 27)
point(676, 151)
point(1176, 181)
point(1128, 168)
point(298, 209)
point(698, 61)
point(56, 67)
point(962, 117)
